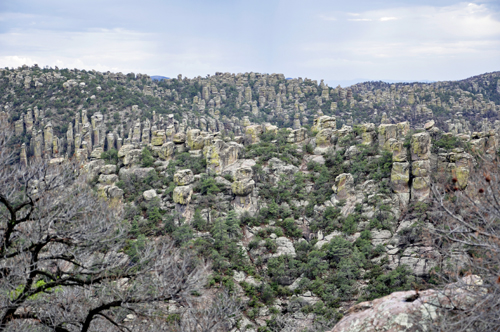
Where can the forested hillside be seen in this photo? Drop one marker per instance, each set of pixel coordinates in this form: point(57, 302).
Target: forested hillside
point(305, 199)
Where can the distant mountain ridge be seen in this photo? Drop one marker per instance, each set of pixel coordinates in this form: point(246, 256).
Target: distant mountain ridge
point(159, 78)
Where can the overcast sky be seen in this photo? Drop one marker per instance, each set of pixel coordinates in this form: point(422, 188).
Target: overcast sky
point(339, 41)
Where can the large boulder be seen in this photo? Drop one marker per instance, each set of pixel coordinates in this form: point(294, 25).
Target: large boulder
point(297, 136)
point(324, 122)
point(182, 194)
point(254, 132)
point(158, 138)
point(183, 177)
point(408, 311)
point(149, 194)
point(220, 154)
point(344, 186)
point(243, 187)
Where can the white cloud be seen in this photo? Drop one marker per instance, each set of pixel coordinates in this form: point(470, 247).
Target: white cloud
point(388, 18)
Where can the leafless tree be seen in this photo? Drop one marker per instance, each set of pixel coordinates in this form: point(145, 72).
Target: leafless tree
point(66, 264)
point(467, 234)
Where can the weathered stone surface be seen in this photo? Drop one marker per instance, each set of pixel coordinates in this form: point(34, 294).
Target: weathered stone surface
point(323, 141)
point(420, 189)
point(183, 177)
point(400, 176)
point(96, 153)
point(140, 173)
point(149, 194)
point(429, 125)
point(409, 311)
point(241, 173)
point(182, 194)
point(421, 168)
point(158, 138)
point(253, 132)
point(323, 138)
point(179, 138)
point(324, 122)
point(297, 136)
point(114, 192)
point(344, 186)
point(220, 154)
point(385, 133)
point(420, 146)
point(243, 187)
point(108, 169)
point(132, 157)
point(285, 247)
point(194, 140)
point(108, 179)
point(166, 151)
point(126, 148)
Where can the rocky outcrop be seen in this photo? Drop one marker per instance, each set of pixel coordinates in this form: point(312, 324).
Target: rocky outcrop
point(220, 154)
point(410, 310)
point(242, 187)
point(420, 155)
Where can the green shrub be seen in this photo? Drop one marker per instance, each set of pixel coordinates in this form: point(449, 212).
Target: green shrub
point(147, 159)
point(290, 228)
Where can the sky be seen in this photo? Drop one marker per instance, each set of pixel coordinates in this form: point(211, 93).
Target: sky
point(342, 42)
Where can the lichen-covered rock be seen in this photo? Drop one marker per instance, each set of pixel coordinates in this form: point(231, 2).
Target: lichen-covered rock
point(244, 172)
point(324, 122)
point(385, 133)
point(344, 186)
point(182, 194)
point(194, 140)
point(420, 189)
point(158, 138)
point(179, 138)
point(323, 141)
point(254, 132)
point(420, 146)
point(109, 191)
point(97, 152)
point(400, 176)
point(183, 177)
point(399, 152)
point(220, 154)
point(166, 151)
point(421, 168)
point(124, 150)
point(132, 157)
point(323, 138)
point(243, 187)
point(139, 172)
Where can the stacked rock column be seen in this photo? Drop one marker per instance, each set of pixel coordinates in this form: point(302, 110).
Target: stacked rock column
point(183, 192)
point(420, 156)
